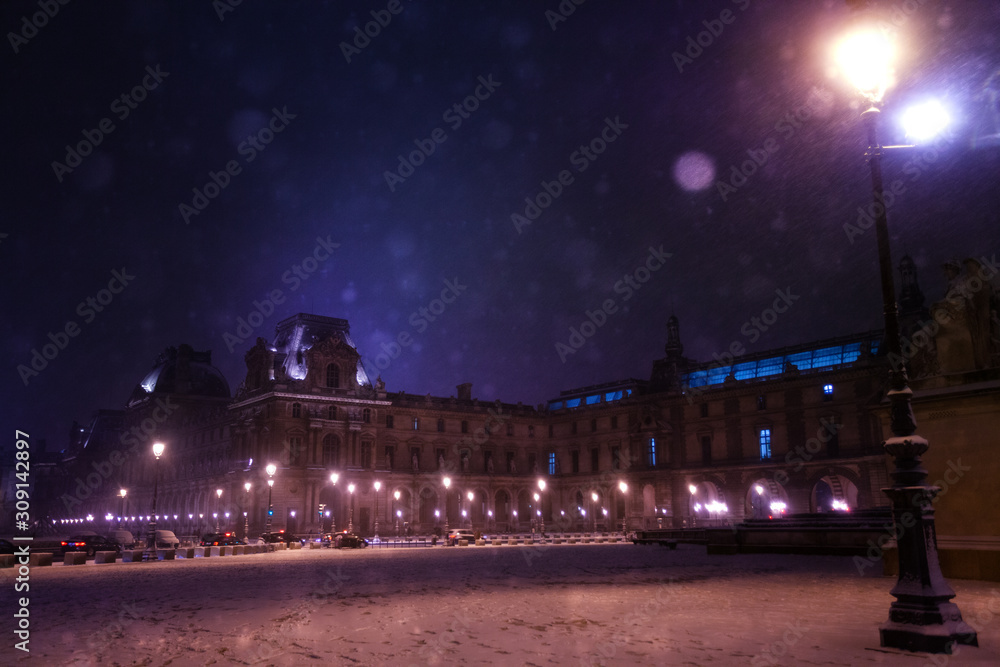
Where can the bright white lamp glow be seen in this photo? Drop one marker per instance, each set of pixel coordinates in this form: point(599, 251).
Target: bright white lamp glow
point(840, 506)
point(925, 121)
point(759, 489)
point(158, 448)
point(693, 489)
point(865, 58)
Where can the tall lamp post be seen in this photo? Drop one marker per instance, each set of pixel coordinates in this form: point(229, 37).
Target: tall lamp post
point(623, 487)
point(396, 512)
point(271, 469)
point(447, 483)
point(922, 618)
point(541, 513)
point(333, 515)
point(246, 515)
point(150, 553)
point(121, 506)
point(593, 499)
point(350, 522)
point(470, 495)
point(378, 485)
point(218, 502)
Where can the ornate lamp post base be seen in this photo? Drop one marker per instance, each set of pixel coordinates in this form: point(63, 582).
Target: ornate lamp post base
point(922, 618)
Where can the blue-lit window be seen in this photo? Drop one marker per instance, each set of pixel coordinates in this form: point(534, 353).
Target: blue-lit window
point(552, 463)
point(827, 392)
point(764, 436)
point(556, 405)
point(593, 400)
point(416, 423)
point(573, 403)
point(651, 453)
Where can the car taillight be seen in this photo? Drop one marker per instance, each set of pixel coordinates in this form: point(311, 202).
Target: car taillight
point(62, 543)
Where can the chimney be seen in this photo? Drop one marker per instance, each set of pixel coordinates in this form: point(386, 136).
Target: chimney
point(465, 391)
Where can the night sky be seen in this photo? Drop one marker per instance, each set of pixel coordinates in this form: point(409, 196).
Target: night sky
point(506, 102)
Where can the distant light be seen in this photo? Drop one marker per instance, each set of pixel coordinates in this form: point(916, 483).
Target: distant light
point(778, 507)
point(694, 171)
point(841, 506)
point(828, 389)
point(759, 489)
point(925, 121)
point(693, 489)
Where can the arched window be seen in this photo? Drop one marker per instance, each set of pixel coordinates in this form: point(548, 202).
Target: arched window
point(296, 409)
point(440, 426)
point(332, 376)
point(366, 415)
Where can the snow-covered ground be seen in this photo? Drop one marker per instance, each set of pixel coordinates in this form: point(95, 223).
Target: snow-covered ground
point(501, 605)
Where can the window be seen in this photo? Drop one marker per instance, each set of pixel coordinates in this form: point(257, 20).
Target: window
point(332, 376)
point(333, 412)
point(331, 450)
point(614, 421)
point(704, 409)
point(575, 461)
point(439, 458)
point(531, 430)
point(706, 449)
point(388, 421)
point(651, 453)
point(416, 423)
point(390, 457)
point(296, 409)
point(366, 415)
point(532, 464)
point(510, 429)
point(593, 425)
point(573, 428)
point(764, 436)
point(366, 455)
point(762, 402)
point(616, 453)
point(827, 392)
point(465, 426)
point(295, 449)
point(440, 426)
point(552, 463)
point(595, 459)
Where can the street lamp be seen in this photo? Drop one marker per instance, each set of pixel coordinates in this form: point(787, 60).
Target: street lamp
point(541, 487)
point(218, 492)
point(270, 469)
point(150, 554)
point(447, 483)
point(350, 522)
point(333, 515)
point(470, 496)
point(593, 499)
point(378, 485)
point(623, 487)
point(395, 511)
point(922, 618)
point(121, 506)
point(246, 516)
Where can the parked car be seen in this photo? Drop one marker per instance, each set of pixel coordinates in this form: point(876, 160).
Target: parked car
point(461, 534)
point(219, 539)
point(165, 539)
point(90, 544)
point(6, 546)
point(280, 536)
point(346, 540)
point(123, 538)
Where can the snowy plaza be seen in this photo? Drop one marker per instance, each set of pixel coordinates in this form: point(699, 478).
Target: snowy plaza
point(603, 604)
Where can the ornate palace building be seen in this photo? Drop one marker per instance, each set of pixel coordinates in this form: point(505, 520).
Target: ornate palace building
point(789, 431)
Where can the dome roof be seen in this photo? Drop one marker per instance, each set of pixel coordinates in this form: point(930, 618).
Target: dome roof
point(182, 371)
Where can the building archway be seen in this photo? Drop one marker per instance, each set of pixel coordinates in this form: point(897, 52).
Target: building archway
point(766, 499)
point(707, 504)
point(834, 493)
point(502, 508)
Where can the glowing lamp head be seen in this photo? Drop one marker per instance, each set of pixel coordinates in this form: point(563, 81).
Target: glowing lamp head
point(759, 489)
point(122, 493)
point(470, 496)
point(271, 468)
point(623, 487)
point(399, 513)
point(693, 489)
point(350, 488)
point(334, 477)
point(541, 484)
point(593, 496)
point(247, 487)
point(925, 121)
point(865, 58)
point(536, 497)
point(270, 482)
point(218, 492)
point(447, 482)
point(396, 495)
point(158, 448)
point(378, 485)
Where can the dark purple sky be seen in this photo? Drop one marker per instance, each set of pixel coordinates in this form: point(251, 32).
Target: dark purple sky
point(608, 68)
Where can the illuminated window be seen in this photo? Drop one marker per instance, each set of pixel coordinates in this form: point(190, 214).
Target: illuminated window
point(552, 463)
point(651, 453)
point(827, 392)
point(416, 423)
point(764, 436)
